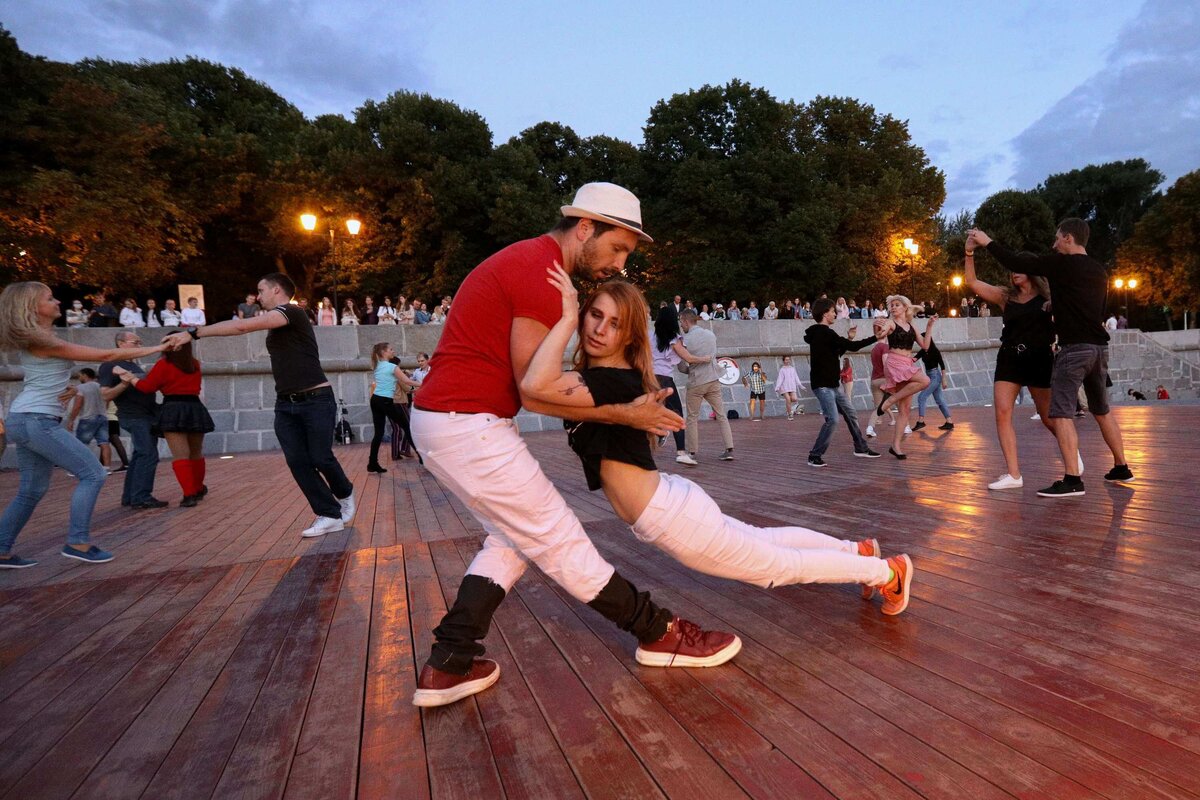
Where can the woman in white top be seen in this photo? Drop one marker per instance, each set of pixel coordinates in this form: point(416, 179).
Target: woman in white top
point(193, 315)
point(349, 312)
point(131, 315)
point(387, 312)
point(77, 317)
point(27, 311)
point(152, 319)
point(787, 384)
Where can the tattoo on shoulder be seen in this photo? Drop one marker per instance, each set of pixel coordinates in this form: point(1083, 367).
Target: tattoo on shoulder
point(580, 383)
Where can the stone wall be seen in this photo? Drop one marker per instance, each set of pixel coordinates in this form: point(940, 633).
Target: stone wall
point(1185, 344)
point(239, 390)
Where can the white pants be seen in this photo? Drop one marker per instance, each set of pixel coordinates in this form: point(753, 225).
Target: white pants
point(687, 524)
point(485, 462)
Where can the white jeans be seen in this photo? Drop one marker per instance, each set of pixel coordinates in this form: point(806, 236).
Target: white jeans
point(485, 462)
point(687, 524)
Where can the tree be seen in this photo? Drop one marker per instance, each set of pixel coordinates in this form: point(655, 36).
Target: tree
point(1016, 219)
point(1164, 251)
point(1111, 198)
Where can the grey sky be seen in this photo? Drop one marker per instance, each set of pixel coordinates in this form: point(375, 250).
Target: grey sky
point(999, 93)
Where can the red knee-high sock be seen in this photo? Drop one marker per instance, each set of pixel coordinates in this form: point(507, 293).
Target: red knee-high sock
point(199, 466)
point(183, 474)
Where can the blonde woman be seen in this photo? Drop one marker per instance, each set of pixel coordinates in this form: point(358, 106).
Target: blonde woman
point(27, 313)
point(613, 364)
point(903, 376)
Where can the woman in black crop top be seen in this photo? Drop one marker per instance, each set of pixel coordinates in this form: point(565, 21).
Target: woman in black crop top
point(613, 364)
point(902, 373)
point(1025, 359)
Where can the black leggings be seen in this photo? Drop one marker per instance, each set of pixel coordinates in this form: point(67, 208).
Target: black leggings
point(673, 403)
point(382, 407)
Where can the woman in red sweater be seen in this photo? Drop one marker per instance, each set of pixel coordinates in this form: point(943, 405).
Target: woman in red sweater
point(183, 420)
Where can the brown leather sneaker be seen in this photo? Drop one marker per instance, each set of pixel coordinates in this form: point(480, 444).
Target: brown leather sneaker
point(438, 688)
point(686, 644)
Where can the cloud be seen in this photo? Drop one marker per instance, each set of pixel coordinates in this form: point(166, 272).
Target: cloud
point(1144, 103)
point(970, 184)
point(325, 58)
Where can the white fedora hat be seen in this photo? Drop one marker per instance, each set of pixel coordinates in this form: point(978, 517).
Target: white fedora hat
point(609, 203)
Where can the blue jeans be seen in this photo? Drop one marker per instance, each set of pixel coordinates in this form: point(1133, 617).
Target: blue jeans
point(934, 388)
point(139, 478)
point(834, 402)
point(43, 443)
point(305, 433)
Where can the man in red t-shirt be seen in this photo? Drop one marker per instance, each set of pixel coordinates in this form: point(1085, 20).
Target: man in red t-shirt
point(462, 424)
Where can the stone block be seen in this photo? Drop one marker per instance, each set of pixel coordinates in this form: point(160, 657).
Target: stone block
point(249, 394)
point(255, 420)
point(214, 444)
point(256, 346)
point(217, 392)
point(268, 440)
point(245, 442)
point(222, 349)
point(338, 342)
point(223, 420)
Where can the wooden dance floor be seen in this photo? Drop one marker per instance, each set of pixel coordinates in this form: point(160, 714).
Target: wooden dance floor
point(1049, 650)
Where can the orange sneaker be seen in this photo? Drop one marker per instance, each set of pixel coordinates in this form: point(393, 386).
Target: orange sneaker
point(896, 593)
point(869, 547)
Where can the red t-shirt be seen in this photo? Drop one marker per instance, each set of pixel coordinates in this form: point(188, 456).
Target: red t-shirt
point(877, 353)
point(471, 370)
point(165, 377)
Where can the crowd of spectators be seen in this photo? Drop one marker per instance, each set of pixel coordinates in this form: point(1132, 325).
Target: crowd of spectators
point(802, 309)
point(98, 311)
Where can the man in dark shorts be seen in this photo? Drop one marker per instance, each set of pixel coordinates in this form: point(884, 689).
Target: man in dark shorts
point(463, 426)
point(305, 408)
point(1079, 291)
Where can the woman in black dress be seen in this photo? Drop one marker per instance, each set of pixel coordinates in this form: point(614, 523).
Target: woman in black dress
point(1025, 359)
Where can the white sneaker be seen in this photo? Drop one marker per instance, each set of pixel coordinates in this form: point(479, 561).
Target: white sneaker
point(348, 508)
point(907, 430)
point(687, 459)
point(1036, 416)
point(871, 431)
point(1079, 456)
point(322, 526)
point(1007, 481)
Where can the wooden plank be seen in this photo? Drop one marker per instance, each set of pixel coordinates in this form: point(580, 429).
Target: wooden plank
point(392, 754)
point(131, 762)
point(264, 751)
point(458, 757)
point(327, 755)
point(194, 764)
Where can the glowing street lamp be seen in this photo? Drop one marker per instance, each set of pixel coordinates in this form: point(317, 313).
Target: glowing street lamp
point(353, 226)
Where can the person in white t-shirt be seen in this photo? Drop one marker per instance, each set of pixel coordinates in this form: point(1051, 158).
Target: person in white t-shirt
point(193, 315)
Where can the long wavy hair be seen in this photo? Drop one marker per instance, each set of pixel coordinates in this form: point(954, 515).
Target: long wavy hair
point(632, 330)
point(1040, 285)
point(19, 328)
point(910, 310)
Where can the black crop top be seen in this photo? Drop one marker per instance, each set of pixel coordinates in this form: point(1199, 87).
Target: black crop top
point(900, 339)
point(594, 441)
point(1027, 323)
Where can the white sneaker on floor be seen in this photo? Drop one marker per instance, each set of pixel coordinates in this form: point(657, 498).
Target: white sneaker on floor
point(1007, 481)
point(322, 526)
point(1036, 416)
point(1079, 456)
point(907, 430)
point(348, 507)
point(871, 431)
point(684, 458)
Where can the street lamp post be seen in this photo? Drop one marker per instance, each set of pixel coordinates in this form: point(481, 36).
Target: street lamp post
point(913, 248)
point(353, 226)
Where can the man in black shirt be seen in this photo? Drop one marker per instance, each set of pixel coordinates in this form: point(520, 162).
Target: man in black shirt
point(136, 413)
point(825, 348)
point(104, 314)
point(1078, 290)
point(305, 408)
